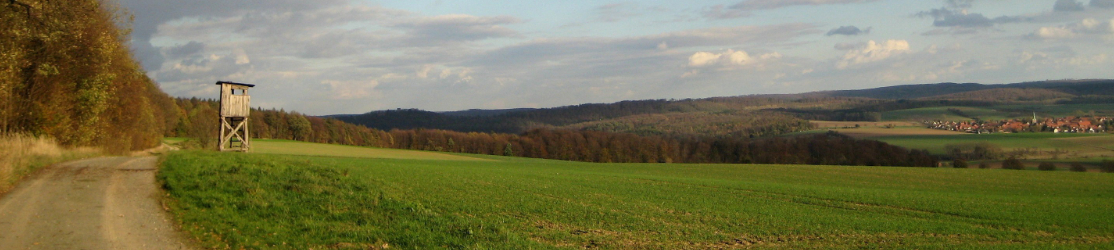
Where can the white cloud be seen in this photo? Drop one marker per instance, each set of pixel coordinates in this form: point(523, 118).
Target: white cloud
point(729, 58)
point(423, 72)
point(1085, 27)
point(872, 52)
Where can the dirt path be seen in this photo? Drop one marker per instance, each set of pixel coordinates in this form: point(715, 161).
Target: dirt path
point(100, 203)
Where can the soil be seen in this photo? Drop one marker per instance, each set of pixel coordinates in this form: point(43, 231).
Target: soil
point(99, 203)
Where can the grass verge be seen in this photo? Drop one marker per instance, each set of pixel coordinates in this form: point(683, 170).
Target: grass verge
point(21, 155)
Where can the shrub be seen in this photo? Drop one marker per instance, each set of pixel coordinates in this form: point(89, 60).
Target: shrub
point(1107, 166)
point(984, 165)
point(959, 163)
point(1012, 163)
point(1046, 166)
point(1077, 167)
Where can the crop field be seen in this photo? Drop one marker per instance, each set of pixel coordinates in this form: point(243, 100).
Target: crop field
point(1082, 145)
point(301, 148)
point(875, 132)
point(260, 200)
point(943, 114)
point(860, 124)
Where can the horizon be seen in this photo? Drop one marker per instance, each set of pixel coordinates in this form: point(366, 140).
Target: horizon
point(345, 57)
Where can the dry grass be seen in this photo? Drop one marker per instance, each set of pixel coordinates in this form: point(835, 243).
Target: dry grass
point(20, 155)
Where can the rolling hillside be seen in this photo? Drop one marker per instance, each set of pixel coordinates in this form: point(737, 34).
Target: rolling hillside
point(844, 105)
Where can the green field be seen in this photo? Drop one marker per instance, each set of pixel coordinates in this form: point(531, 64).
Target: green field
point(1079, 145)
point(301, 148)
point(257, 200)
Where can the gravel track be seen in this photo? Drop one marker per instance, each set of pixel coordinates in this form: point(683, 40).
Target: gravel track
point(99, 203)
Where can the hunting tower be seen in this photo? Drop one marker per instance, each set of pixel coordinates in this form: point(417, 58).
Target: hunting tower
point(235, 106)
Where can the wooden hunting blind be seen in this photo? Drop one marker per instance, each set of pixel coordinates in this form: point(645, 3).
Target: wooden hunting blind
point(235, 108)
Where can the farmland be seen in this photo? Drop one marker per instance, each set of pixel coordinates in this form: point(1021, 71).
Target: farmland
point(997, 112)
point(360, 200)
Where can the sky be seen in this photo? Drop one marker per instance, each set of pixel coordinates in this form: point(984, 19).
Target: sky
point(354, 56)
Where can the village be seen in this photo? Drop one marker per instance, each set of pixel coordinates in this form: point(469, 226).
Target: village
point(1071, 124)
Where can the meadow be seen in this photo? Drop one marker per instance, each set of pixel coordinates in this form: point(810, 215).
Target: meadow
point(1091, 146)
point(373, 199)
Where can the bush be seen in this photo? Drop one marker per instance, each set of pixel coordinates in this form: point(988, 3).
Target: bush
point(984, 165)
point(959, 163)
point(1077, 167)
point(1046, 166)
point(1107, 166)
point(974, 151)
point(1012, 163)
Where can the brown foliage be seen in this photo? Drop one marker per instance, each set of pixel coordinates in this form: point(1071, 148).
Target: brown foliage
point(66, 73)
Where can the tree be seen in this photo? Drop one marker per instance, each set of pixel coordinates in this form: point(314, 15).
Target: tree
point(1046, 166)
point(300, 127)
point(1078, 167)
point(959, 163)
point(508, 150)
point(1012, 163)
point(1107, 166)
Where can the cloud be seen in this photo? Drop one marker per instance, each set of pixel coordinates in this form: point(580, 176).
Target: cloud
point(729, 58)
point(440, 30)
point(743, 9)
point(1106, 4)
point(149, 14)
point(1034, 60)
point(956, 18)
point(722, 12)
point(959, 4)
point(872, 52)
point(616, 12)
point(186, 49)
point(1067, 5)
point(848, 31)
point(350, 90)
point(1085, 27)
point(544, 52)
point(944, 17)
point(774, 4)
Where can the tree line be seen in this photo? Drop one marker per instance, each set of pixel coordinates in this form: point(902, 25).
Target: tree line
point(198, 121)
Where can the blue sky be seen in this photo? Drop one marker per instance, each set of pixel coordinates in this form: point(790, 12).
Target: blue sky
point(347, 56)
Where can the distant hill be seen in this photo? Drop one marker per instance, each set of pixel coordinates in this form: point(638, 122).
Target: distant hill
point(1075, 87)
point(755, 115)
point(483, 112)
point(910, 91)
point(1007, 95)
